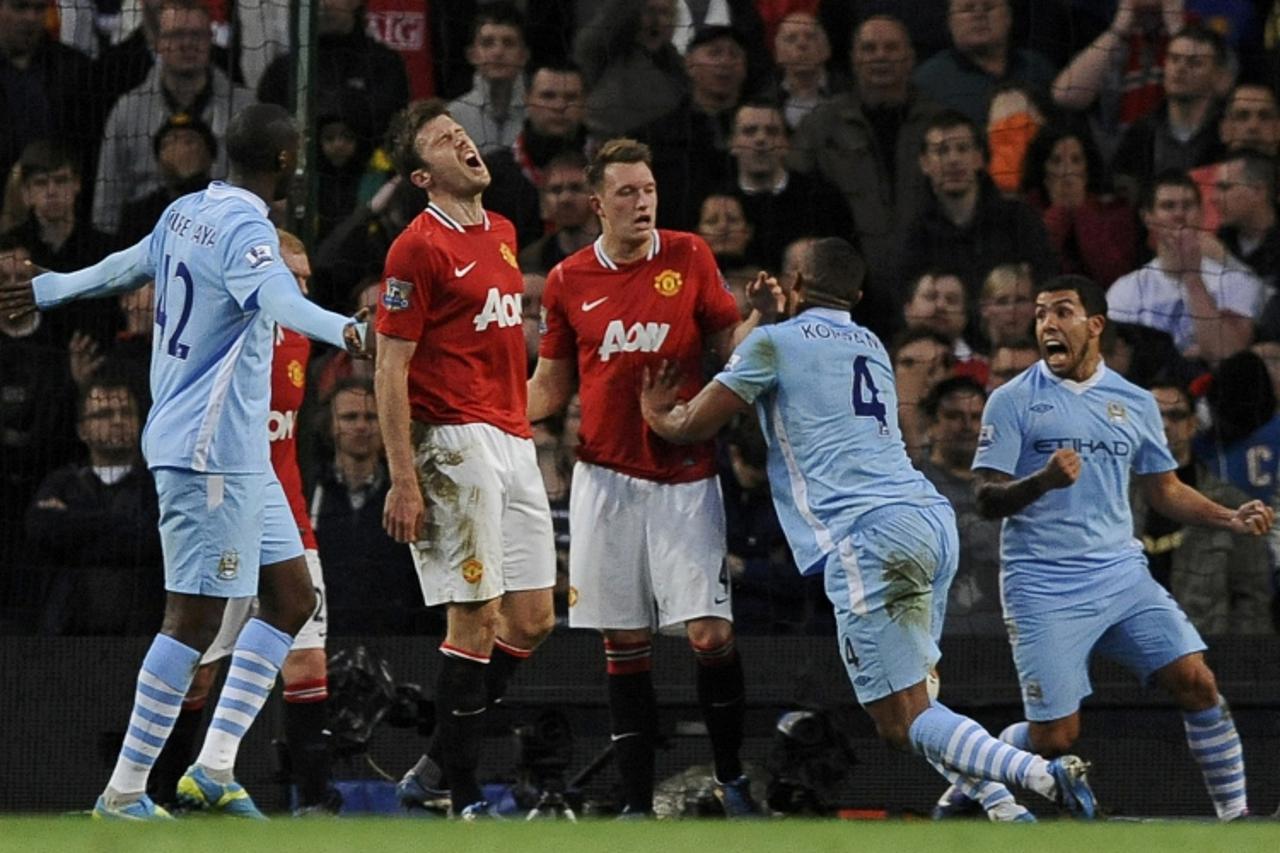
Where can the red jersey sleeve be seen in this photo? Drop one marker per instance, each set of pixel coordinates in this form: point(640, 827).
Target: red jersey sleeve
point(407, 280)
point(558, 338)
point(717, 309)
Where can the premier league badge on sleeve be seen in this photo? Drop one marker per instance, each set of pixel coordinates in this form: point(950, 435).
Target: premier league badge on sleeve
point(259, 256)
point(395, 296)
point(986, 435)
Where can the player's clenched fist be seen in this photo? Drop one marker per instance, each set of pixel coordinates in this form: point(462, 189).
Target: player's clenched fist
point(1253, 518)
point(1062, 469)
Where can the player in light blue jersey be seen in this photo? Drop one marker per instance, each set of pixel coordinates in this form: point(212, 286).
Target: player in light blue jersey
point(1056, 451)
point(853, 507)
point(225, 526)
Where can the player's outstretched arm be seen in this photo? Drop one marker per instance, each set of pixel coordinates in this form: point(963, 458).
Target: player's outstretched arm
point(118, 272)
point(550, 387)
point(685, 423)
point(1174, 499)
point(998, 495)
point(404, 513)
point(280, 298)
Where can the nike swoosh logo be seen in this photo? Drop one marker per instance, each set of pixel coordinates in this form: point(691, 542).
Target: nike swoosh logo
point(719, 600)
point(459, 272)
point(587, 306)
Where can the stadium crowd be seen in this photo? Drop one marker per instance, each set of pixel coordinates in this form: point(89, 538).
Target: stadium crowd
point(966, 147)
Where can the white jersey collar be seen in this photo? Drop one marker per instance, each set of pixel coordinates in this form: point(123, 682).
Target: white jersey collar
point(1072, 385)
point(220, 190)
point(655, 246)
point(449, 222)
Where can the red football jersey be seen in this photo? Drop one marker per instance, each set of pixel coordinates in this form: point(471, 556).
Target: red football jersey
point(618, 318)
point(456, 291)
point(288, 383)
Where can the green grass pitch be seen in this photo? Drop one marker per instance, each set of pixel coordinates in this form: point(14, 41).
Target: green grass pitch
point(391, 835)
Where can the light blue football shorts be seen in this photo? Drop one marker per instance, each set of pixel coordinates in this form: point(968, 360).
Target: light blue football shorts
point(888, 581)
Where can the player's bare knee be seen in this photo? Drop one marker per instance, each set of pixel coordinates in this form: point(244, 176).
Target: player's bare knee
point(709, 633)
point(895, 731)
point(1194, 687)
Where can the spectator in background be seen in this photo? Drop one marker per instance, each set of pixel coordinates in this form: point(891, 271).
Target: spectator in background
point(349, 61)
point(566, 206)
point(633, 72)
point(185, 150)
point(1221, 579)
point(1243, 445)
point(966, 225)
point(1010, 358)
point(553, 126)
point(937, 301)
point(1013, 120)
point(344, 178)
point(921, 359)
point(37, 434)
point(780, 204)
point(1208, 306)
point(1118, 75)
point(1007, 306)
point(46, 91)
point(531, 315)
point(723, 223)
point(867, 142)
point(182, 81)
point(1250, 123)
point(493, 111)
point(801, 51)
point(1246, 196)
point(1093, 231)
point(1182, 132)
point(690, 144)
point(57, 239)
point(981, 57)
point(95, 525)
point(953, 410)
point(372, 586)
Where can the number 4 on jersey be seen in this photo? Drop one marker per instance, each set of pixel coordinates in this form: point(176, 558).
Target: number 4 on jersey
point(867, 406)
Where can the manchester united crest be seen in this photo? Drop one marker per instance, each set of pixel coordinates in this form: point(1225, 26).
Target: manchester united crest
point(509, 255)
point(472, 570)
point(668, 282)
point(296, 376)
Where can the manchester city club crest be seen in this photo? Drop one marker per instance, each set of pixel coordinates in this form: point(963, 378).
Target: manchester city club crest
point(1115, 412)
point(395, 296)
point(229, 565)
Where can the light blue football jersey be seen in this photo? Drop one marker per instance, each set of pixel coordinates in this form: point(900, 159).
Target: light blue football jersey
point(211, 252)
point(823, 389)
point(1077, 543)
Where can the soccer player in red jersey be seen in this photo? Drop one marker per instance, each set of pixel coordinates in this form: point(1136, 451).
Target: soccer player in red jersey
point(466, 492)
point(305, 672)
point(647, 516)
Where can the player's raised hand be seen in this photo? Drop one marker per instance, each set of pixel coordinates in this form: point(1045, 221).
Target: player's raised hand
point(1253, 519)
point(659, 389)
point(1062, 469)
point(404, 514)
point(766, 296)
point(17, 296)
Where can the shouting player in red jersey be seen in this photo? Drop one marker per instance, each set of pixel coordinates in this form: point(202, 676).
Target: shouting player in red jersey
point(305, 670)
point(465, 492)
point(647, 516)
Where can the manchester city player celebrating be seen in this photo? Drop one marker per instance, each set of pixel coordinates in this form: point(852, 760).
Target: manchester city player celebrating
point(1057, 447)
point(220, 286)
point(854, 508)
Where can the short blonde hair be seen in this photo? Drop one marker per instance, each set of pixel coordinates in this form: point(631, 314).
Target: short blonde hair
point(290, 242)
point(1006, 276)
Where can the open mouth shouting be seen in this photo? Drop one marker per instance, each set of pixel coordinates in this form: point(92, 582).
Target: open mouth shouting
point(1056, 353)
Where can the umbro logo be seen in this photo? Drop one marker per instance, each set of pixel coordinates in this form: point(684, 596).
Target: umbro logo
point(459, 272)
point(1041, 408)
point(588, 306)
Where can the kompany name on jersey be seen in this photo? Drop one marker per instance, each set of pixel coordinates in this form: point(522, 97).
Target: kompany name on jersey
point(641, 337)
point(200, 233)
point(505, 309)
